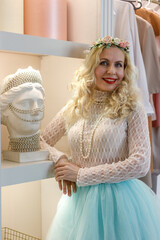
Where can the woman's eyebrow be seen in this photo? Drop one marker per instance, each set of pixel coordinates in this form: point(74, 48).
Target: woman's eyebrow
point(108, 60)
point(104, 59)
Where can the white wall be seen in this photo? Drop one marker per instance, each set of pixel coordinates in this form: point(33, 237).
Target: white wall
point(21, 208)
point(83, 20)
point(11, 16)
point(21, 204)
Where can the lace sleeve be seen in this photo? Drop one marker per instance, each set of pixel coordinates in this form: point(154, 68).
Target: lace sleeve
point(52, 134)
point(135, 166)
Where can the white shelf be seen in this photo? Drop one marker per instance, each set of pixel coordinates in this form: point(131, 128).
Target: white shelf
point(14, 173)
point(40, 46)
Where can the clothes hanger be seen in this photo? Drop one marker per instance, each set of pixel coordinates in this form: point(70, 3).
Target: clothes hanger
point(149, 1)
point(137, 2)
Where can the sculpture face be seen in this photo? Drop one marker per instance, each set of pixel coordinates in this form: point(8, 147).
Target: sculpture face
point(25, 113)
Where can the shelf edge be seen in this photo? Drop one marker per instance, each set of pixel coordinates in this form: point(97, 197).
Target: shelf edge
point(39, 45)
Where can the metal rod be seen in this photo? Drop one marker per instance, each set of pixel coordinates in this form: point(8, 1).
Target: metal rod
point(106, 17)
point(154, 1)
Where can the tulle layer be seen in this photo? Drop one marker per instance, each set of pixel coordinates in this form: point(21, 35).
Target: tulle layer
point(119, 211)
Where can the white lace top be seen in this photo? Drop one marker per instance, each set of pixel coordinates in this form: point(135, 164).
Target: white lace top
point(120, 149)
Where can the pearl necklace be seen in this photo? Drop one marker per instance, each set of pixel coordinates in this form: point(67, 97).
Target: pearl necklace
point(14, 110)
point(91, 138)
point(29, 111)
point(25, 144)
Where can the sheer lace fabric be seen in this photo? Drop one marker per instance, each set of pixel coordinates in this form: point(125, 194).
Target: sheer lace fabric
point(52, 134)
point(120, 148)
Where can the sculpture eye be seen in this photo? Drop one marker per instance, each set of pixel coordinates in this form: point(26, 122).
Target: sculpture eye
point(23, 103)
point(40, 102)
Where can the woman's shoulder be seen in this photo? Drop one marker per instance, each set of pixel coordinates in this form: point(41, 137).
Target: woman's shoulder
point(139, 107)
point(138, 112)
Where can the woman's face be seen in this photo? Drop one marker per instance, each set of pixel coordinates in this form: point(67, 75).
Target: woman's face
point(30, 101)
point(110, 71)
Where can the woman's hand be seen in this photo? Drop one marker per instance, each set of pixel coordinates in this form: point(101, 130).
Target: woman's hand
point(66, 171)
point(65, 186)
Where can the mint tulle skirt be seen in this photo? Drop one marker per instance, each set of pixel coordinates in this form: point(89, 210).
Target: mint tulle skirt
point(119, 211)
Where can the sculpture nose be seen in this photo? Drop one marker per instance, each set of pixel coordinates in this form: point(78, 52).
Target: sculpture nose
point(35, 108)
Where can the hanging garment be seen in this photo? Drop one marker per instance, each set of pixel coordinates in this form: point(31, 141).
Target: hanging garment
point(126, 28)
point(152, 17)
point(156, 148)
point(156, 127)
point(149, 54)
point(156, 97)
point(156, 123)
point(152, 67)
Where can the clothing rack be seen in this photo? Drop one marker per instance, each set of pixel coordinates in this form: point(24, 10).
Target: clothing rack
point(154, 1)
point(140, 3)
point(132, 2)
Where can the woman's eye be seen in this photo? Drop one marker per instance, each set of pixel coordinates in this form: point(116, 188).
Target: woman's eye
point(118, 64)
point(104, 63)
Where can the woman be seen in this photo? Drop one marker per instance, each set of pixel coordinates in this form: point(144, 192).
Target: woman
point(109, 141)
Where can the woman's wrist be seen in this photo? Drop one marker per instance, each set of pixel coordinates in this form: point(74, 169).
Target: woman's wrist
point(63, 157)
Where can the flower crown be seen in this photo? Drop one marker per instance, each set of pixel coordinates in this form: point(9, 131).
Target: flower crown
point(109, 41)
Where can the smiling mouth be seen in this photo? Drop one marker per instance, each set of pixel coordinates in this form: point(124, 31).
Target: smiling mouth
point(110, 80)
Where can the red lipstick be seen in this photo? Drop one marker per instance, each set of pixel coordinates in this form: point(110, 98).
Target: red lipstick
point(110, 80)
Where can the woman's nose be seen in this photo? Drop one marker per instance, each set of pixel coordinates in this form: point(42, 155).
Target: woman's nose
point(111, 69)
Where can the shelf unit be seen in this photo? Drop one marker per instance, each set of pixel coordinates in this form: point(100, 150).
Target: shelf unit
point(21, 43)
point(11, 172)
point(15, 173)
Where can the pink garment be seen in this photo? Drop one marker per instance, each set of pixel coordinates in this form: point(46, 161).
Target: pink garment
point(46, 18)
point(156, 97)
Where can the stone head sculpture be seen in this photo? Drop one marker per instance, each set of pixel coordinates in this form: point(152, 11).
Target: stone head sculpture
point(22, 109)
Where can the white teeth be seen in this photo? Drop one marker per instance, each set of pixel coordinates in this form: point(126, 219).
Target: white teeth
point(110, 80)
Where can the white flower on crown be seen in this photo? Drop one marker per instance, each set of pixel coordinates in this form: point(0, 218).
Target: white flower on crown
point(117, 41)
point(97, 41)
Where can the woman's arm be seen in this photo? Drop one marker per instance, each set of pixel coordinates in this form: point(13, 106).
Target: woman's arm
point(52, 134)
point(135, 166)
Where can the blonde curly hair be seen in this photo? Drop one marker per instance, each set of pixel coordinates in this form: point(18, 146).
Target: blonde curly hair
point(119, 103)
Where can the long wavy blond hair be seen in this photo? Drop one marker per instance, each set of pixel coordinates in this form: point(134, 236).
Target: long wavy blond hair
point(119, 103)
